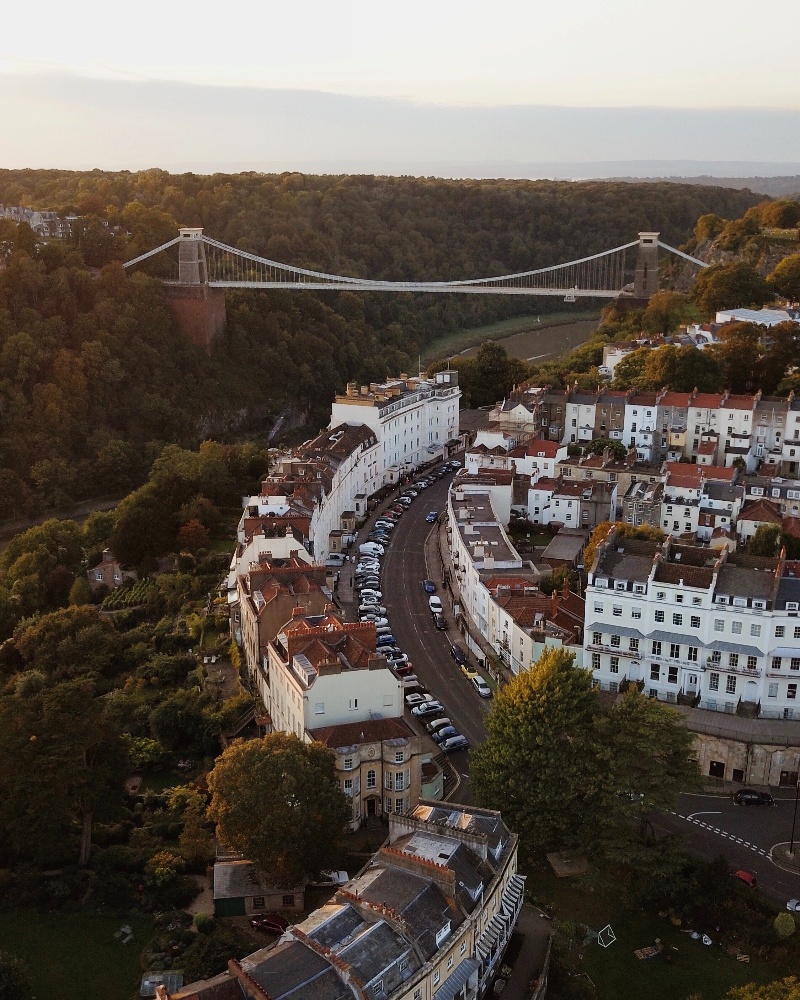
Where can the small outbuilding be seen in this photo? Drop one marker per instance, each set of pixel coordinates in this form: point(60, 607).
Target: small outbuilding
point(240, 889)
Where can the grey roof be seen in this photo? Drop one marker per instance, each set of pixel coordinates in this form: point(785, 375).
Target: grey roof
point(237, 879)
point(670, 637)
point(454, 982)
point(788, 590)
point(376, 952)
point(734, 647)
point(630, 559)
point(744, 582)
point(344, 922)
point(293, 969)
point(613, 629)
point(565, 546)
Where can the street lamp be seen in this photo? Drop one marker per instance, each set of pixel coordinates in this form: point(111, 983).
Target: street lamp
point(794, 818)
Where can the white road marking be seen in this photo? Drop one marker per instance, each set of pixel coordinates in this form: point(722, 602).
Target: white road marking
point(715, 829)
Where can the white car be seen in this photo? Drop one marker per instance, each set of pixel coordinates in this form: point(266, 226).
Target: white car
point(418, 699)
point(481, 686)
point(370, 596)
point(438, 724)
point(793, 906)
point(428, 708)
point(435, 604)
point(379, 623)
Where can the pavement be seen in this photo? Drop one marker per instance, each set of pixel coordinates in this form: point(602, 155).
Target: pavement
point(529, 963)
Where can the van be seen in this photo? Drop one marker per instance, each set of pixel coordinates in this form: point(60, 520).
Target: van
point(336, 559)
point(371, 549)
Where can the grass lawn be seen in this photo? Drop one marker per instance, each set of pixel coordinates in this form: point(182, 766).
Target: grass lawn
point(474, 336)
point(616, 972)
point(73, 956)
point(158, 781)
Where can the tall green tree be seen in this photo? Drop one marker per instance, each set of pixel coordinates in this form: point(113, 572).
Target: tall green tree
point(781, 989)
point(537, 763)
point(277, 800)
point(728, 286)
point(785, 279)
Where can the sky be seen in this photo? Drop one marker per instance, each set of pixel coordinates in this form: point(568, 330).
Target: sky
point(464, 85)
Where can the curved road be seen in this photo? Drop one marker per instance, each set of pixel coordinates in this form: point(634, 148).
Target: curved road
point(428, 648)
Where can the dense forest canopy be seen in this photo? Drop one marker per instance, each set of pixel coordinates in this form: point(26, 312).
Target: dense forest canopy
point(95, 379)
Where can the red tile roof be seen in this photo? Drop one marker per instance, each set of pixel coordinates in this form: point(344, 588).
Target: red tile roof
point(761, 510)
point(350, 734)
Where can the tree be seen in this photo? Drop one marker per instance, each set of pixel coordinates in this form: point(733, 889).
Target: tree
point(14, 982)
point(781, 989)
point(193, 536)
point(785, 279)
point(69, 642)
point(277, 800)
point(766, 541)
point(599, 445)
point(537, 764)
point(61, 762)
point(665, 312)
point(727, 286)
point(738, 354)
point(80, 591)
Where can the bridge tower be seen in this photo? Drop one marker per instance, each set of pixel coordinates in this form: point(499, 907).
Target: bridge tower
point(645, 282)
point(198, 309)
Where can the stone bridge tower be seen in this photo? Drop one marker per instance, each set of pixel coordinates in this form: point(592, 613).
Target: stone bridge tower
point(197, 308)
point(645, 283)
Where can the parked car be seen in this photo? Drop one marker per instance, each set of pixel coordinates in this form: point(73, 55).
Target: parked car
point(437, 724)
point(379, 537)
point(370, 608)
point(435, 604)
point(793, 905)
point(468, 670)
point(455, 743)
point(371, 549)
point(385, 640)
point(376, 621)
point(386, 524)
point(418, 699)
point(747, 877)
point(440, 622)
point(370, 593)
point(446, 733)
point(405, 502)
point(752, 797)
point(368, 564)
point(402, 667)
point(384, 629)
point(368, 583)
point(269, 923)
point(458, 654)
point(431, 516)
point(481, 686)
point(429, 586)
point(428, 708)
point(397, 509)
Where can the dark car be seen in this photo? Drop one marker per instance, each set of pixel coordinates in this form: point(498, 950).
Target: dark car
point(458, 654)
point(431, 516)
point(270, 923)
point(385, 640)
point(440, 622)
point(429, 586)
point(752, 797)
point(445, 733)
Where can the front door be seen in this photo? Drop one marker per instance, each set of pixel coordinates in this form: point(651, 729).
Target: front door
point(691, 684)
point(371, 810)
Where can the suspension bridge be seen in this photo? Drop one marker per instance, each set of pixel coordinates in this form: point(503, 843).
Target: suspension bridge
point(203, 261)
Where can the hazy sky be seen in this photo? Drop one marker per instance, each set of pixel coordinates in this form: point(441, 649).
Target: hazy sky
point(65, 70)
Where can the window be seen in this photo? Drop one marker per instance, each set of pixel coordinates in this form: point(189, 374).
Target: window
point(436, 974)
point(319, 708)
point(353, 704)
point(736, 628)
point(617, 611)
point(615, 641)
point(463, 949)
point(661, 595)
point(387, 805)
point(659, 616)
point(716, 656)
point(655, 672)
point(755, 630)
point(719, 625)
point(656, 648)
point(672, 675)
point(794, 663)
point(377, 989)
point(258, 903)
point(398, 781)
point(677, 619)
point(399, 756)
point(733, 659)
point(598, 608)
point(450, 962)
point(730, 685)
point(697, 600)
point(614, 665)
point(772, 690)
point(797, 632)
point(780, 631)
point(398, 804)
point(595, 661)
point(752, 662)
point(713, 682)
point(691, 654)
point(634, 645)
point(791, 691)
point(776, 663)
point(679, 598)
point(597, 638)
point(694, 621)
point(636, 613)
point(371, 779)
point(348, 786)
point(288, 900)
point(674, 651)
point(348, 763)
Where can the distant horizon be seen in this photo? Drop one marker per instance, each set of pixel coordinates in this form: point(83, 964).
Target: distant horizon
point(66, 121)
